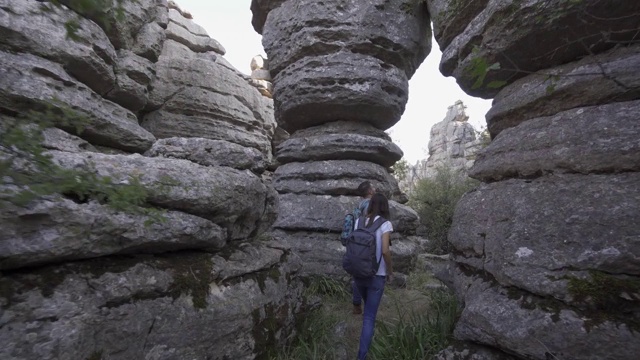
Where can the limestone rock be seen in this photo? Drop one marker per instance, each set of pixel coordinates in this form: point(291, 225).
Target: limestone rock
point(57, 229)
point(536, 234)
point(29, 83)
point(56, 139)
point(453, 142)
point(510, 320)
point(595, 80)
point(450, 18)
point(149, 42)
point(200, 95)
point(264, 87)
point(181, 31)
point(339, 147)
point(258, 62)
point(133, 76)
point(326, 213)
point(336, 177)
point(320, 253)
point(39, 28)
point(208, 152)
point(231, 198)
point(329, 63)
point(122, 20)
point(595, 139)
point(470, 351)
point(261, 75)
point(153, 307)
point(341, 128)
point(260, 9)
point(504, 31)
point(195, 29)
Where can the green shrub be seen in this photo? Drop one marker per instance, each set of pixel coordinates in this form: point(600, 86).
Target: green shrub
point(29, 173)
point(435, 200)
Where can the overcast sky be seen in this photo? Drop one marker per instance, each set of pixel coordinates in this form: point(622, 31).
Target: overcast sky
point(430, 93)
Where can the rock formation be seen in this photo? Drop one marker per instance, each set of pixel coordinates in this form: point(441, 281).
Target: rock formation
point(260, 76)
point(547, 252)
point(453, 143)
point(340, 76)
point(161, 107)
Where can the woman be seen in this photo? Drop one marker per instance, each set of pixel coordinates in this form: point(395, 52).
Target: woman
point(371, 288)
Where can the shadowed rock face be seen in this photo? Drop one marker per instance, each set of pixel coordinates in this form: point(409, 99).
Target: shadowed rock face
point(525, 36)
point(343, 60)
point(548, 248)
point(189, 274)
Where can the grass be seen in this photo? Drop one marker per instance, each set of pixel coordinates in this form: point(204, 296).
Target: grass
point(412, 323)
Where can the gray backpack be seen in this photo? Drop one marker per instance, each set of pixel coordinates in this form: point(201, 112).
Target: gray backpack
point(360, 260)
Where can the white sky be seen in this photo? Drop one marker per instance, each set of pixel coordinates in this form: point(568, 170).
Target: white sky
point(430, 93)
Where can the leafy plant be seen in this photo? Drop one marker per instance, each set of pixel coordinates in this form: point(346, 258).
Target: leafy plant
point(435, 199)
point(400, 169)
point(28, 171)
point(478, 69)
point(103, 12)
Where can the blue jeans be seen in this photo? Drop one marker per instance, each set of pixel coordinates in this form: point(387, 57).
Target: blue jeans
point(356, 298)
point(371, 290)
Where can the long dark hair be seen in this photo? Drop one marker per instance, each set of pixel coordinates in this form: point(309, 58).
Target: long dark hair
point(378, 206)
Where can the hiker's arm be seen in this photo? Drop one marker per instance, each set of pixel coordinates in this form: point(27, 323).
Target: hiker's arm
point(386, 253)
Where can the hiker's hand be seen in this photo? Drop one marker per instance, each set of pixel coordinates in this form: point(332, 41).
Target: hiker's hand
point(390, 278)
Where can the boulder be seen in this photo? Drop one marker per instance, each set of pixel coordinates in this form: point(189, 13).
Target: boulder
point(122, 20)
point(595, 139)
point(450, 18)
point(503, 32)
point(594, 80)
point(234, 199)
point(469, 351)
point(539, 234)
point(197, 43)
point(56, 139)
point(208, 152)
point(187, 305)
point(261, 74)
point(31, 83)
point(57, 229)
point(339, 147)
point(200, 95)
point(336, 177)
point(259, 62)
point(319, 253)
point(453, 143)
point(149, 42)
point(325, 213)
point(333, 60)
point(40, 29)
point(133, 76)
point(511, 319)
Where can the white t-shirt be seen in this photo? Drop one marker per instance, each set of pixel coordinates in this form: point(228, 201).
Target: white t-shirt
point(386, 227)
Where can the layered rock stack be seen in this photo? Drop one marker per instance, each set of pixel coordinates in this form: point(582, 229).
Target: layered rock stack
point(547, 259)
point(260, 76)
point(453, 144)
point(161, 107)
point(340, 71)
